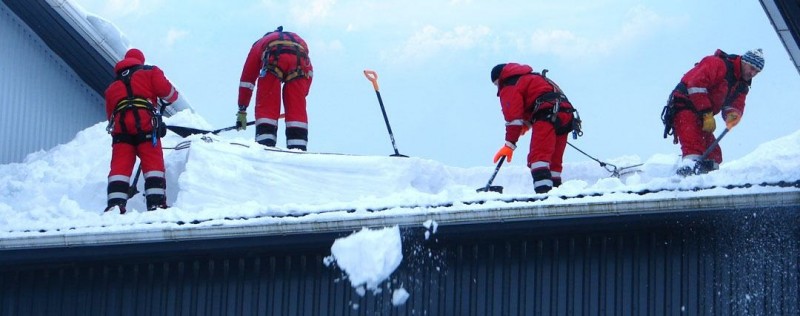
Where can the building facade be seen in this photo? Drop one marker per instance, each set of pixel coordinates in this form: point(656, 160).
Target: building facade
point(44, 101)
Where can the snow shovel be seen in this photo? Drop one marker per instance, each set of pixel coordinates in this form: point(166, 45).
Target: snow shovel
point(714, 144)
point(188, 131)
point(132, 190)
point(493, 188)
point(685, 171)
point(373, 77)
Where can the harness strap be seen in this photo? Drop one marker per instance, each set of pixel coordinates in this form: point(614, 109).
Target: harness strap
point(132, 101)
point(741, 86)
point(279, 47)
point(557, 96)
point(136, 102)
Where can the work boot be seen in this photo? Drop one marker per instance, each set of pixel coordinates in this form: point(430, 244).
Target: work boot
point(156, 201)
point(158, 206)
point(120, 207)
point(705, 166)
point(685, 171)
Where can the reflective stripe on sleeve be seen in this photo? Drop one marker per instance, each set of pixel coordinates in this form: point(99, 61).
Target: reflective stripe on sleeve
point(248, 85)
point(517, 122)
point(695, 90)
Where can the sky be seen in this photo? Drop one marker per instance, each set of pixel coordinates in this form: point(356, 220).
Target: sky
point(616, 60)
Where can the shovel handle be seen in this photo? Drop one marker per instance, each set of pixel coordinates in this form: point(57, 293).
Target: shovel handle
point(496, 169)
point(372, 77)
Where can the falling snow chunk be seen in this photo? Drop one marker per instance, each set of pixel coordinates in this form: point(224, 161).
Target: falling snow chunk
point(399, 297)
point(369, 257)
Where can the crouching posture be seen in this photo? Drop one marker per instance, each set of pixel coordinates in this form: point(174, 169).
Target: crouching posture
point(530, 100)
point(717, 84)
point(134, 122)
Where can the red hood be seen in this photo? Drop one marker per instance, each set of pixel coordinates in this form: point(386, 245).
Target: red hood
point(126, 63)
point(514, 69)
point(510, 70)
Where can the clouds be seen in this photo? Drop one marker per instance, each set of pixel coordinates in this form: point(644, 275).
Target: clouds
point(307, 13)
point(430, 42)
point(173, 35)
point(577, 38)
point(584, 41)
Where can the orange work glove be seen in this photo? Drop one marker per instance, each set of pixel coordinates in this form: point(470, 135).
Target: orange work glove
point(732, 119)
point(525, 129)
point(506, 151)
point(709, 125)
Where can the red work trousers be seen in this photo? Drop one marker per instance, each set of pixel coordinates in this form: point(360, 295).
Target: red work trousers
point(694, 141)
point(268, 93)
point(546, 146)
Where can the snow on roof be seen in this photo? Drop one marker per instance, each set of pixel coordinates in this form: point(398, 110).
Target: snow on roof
point(221, 182)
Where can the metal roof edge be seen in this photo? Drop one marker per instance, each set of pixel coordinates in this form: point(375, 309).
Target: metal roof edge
point(74, 17)
point(786, 30)
point(452, 216)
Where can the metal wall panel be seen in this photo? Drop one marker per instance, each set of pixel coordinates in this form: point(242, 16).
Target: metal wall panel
point(733, 262)
point(42, 100)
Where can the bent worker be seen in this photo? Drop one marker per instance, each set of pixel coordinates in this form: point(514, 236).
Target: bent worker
point(529, 100)
point(278, 59)
point(717, 84)
point(136, 129)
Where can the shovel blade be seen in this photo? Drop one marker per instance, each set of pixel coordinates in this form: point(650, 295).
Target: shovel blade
point(186, 131)
point(491, 188)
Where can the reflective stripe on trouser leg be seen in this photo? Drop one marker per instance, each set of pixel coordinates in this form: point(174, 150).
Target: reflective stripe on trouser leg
point(542, 179)
point(296, 135)
point(155, 189)
point(118, 189)
point(556, 176)
point(267, 132)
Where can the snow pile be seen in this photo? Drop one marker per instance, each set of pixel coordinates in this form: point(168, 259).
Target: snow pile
point(234, 177)
point(63, 190)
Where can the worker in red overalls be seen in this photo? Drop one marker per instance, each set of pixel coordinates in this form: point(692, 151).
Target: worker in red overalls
point(717, 84)
point(529, 100)
point(136, 129)
point(278, 58)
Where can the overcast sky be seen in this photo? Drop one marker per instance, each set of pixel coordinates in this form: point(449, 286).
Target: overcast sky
point(616, 60)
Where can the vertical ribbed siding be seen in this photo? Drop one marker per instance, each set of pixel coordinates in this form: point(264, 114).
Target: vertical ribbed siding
point(737, 265)
point(42, 100)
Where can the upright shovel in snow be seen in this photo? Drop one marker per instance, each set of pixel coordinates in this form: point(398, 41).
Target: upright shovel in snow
point(373, 77)
point(493, 188)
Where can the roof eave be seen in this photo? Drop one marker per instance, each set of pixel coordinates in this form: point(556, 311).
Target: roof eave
point(529, 214)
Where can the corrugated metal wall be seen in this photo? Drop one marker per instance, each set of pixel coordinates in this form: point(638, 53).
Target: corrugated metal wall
point(42, 101)
point(741, 262)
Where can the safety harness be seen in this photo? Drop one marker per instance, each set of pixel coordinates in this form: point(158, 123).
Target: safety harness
point(285, 44)
point(681, 101)
point(133, 102)
point(555, 97)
